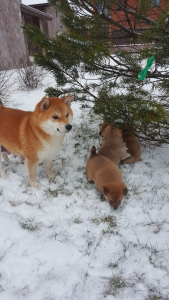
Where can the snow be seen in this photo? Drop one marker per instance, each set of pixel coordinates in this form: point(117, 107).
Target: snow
point(62, 241)
point(33, 2)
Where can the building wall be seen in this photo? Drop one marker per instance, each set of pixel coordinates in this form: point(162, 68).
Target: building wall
point(120, 16)
point(12, 43)
point(55, 25)
point(51, 24)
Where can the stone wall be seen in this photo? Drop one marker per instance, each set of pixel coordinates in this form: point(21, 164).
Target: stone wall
point(55, 25)
point(12, 43)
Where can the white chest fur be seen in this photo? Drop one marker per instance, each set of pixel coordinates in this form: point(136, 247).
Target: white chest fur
point(52, 148)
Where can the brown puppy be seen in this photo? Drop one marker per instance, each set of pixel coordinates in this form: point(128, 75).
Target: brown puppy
point(103, 127)
point(128, 135)
point(113, 146)
point(107, 177)
point(133, 146)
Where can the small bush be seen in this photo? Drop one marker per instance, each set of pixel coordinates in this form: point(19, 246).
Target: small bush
point(30, 76)
point(5, 83)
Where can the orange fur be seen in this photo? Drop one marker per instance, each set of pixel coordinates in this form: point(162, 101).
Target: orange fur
point(36, 135)
point(107, 177)
point(133, 146)
point(103, 127)
point(129, 138)
point(113, 146)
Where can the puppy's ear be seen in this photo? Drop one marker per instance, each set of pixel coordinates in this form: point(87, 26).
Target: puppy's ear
point(105, 191)
point(67, 100)
point(125, 191)
point(44, 104)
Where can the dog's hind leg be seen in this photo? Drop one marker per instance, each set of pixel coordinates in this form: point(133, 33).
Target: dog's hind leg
point(2, 173)
point(89, 180)
point(123, 153)
point(48, 169)
point(32, 168)
point(129, 160)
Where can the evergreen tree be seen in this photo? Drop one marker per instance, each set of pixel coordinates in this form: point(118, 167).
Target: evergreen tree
point(88, 49)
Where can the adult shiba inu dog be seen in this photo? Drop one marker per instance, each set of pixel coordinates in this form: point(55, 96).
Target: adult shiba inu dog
point(107, 178)
point(36, 135)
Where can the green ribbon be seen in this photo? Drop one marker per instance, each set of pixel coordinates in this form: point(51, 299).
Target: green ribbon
point(142, 75)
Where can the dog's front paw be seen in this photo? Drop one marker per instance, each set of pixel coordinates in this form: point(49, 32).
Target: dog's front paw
point(3, 174)
point(35, 184)
point(51, 175)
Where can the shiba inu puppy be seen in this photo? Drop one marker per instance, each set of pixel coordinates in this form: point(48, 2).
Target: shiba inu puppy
point(113, 146)
point(107, 178)
point(36, 135)
point(103, 127)
point(129, 138)
point(132, 144)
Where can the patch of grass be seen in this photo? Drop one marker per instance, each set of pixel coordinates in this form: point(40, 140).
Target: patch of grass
point(1, 192)
point(109, 220)
point(157, 225)
point(78, 220)
point(52, 193)
point(155, 297)
point(118, 283)
point(61, 189)
point(13, 203)
point(28, 225)
point(29, 203)
point(153, 294)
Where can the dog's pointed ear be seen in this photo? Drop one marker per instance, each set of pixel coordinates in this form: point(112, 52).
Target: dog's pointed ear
point(105, 191)
point(44, 104)
point(67, 100)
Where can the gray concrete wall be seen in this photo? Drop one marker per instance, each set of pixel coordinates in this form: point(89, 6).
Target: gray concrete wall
point(12, 43)
point(55, 25)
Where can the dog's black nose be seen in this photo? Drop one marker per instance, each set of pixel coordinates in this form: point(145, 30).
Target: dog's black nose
point(68, 127)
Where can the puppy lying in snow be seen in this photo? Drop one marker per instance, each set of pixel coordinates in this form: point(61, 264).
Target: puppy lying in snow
point(113, 146)
point(107, 178)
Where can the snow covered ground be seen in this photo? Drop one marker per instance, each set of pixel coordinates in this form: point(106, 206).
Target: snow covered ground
point(62, 241)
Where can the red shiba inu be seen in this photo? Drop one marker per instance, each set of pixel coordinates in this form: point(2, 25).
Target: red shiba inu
point(113, 146)
point(36, 135)
point(129, 138)
point(107, 178)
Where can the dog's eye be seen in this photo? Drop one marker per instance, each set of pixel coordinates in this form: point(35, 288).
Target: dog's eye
point(55, 117)
point(67, 115)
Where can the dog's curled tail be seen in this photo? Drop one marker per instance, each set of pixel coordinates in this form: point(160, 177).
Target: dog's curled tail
point(93, 151)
